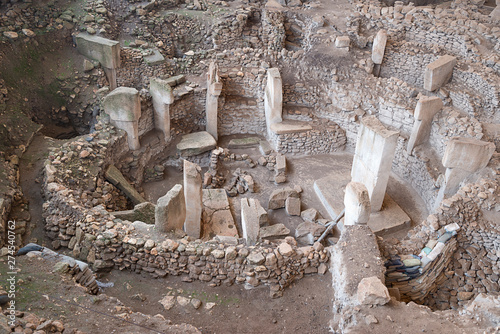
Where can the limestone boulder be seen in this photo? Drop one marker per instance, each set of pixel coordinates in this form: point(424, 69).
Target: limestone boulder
point(278, 197)
point(196, 143)
point(371, 291)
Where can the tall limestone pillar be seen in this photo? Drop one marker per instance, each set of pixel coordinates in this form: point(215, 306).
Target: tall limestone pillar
point(194, 199)
point(162, 99)
point(214, 88)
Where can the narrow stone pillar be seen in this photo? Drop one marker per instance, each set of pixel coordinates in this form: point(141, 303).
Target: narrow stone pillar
point(378, 49)
point(427, 108)
point(214, 88)
point(123, 106)
point(273, 98)
point(103, 50)
point(439, 72)
point(161, 91)
point(373, 157)
point(357, 204)
point(194, 199)
point(462, 157)
point(252, 216)
point(170, 210)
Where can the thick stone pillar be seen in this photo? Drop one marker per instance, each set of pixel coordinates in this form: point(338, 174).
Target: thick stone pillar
point(357, 204)
point(123, 106)
point(439, 72)
point(161, 91)
point(170, 211)
point(373, 157)
point(427, 108)
point(462, 157)
point(194, 199)
point(273, 98)
point(252, 216)
point(214, 88)
point(103, 50)
point(378, 49)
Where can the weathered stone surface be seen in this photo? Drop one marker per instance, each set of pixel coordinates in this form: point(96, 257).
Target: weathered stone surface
point(342, 42)
point(103, 50)
point(372, 163)
point(170, 210)
point(357, 204)
point(289, 126)
point(251, 213)
point(194, 200)
point(371, 291)
point(168, 302)
point(275, 230)
point(116, 178)
point(214, 88)
point(162, 95)
point(144, 212)
point(378, 48)
point(273, 98)
point(244, 142)
point(426, 108)
point(468, 154)
point(310, 215)
point(292, 206)
point(196, 143)
point(216, 216)
point(285, 249)
point(439, 72)
point(279, 196)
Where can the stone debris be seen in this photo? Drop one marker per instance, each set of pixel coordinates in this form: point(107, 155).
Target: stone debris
point(278, 197)
point(371, 291)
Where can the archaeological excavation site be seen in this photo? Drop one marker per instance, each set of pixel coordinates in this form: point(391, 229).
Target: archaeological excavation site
point(249, 166)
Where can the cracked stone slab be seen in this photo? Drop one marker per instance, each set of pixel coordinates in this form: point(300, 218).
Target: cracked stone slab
point(216, 217)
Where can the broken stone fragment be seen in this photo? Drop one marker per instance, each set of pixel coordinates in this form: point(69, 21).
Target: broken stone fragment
point(275, 230)
point(310, 215)
point(371, 291)
point(279, 196)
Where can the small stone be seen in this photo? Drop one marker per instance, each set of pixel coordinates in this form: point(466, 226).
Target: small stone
point(10, 34)
point(28, 33)
point(84, 154)
point(196, 303)
point(183, 301)
point(209, 306)
point(285, 249)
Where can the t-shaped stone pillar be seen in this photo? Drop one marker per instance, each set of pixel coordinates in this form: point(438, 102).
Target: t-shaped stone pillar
point(103, 50)
point(462, 157)
point(194, 199)
point(357, 204)
point(162, 99)
point(426, 108)
point(123, 106)
point(273, 98)
point(373, 157)
point(214, 88)
point(439, 72)
point(170, 211)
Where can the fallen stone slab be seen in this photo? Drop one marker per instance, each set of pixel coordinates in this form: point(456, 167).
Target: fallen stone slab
point(439, 72)
point(196, 143)
point(279, 196)
point(176, 80)
point(265, 148)
point(117, 179)
point(144, 212)
point(216, 215)
point(250, 220)
point(276, 230)
point(244, 142)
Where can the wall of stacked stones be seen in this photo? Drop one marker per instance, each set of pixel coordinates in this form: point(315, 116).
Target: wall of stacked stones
point(406, 65)
point(475, 266)
point(187, 113)
point(481, 90)
point(10, 193)
point(320, 140)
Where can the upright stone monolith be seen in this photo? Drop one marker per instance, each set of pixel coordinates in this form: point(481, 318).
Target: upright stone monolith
point(378, 49)
point(439, 72)
point(462, 157)
point(103, 50)
point(357, 204)
point(214, 88)
point(427, 107)
point(170, 211)
point(273, 98)
point(162, 95)
point(194, 199)
point(252, 216)
point(123, 106)
point(373, 157)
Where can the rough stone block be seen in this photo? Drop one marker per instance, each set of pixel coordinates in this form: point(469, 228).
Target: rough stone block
point(162, 95)
point(342, 42)
point(371, 291)
point(251, 212)
point(426, 108)
point(292, 206)
point(170, 212)
point(276, 230)
point(279, 196)
point(439, 72)
point(280, 166)
point(468, 154)
point(196, 143)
